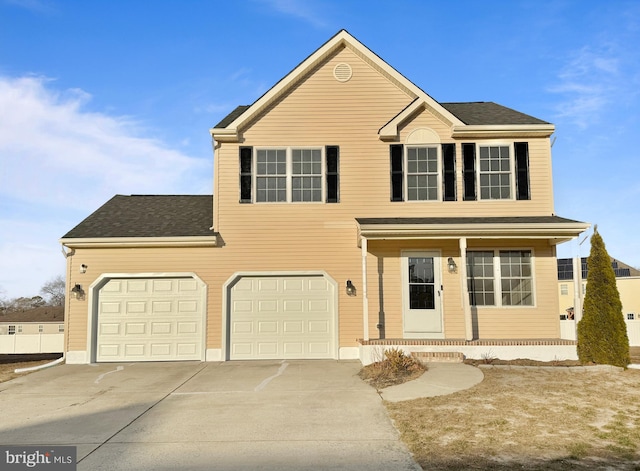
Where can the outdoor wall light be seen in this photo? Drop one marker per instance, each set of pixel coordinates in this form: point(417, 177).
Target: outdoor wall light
point(83, 268)
point(451, 265)
point(77, 291)
point(351, 290)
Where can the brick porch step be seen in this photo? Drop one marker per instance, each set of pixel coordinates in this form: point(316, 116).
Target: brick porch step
point(445, 357)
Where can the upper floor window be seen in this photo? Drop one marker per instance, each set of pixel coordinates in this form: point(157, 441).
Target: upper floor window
point(496, 171)
point(11, 330)
point(423, 173)
point(289, 174)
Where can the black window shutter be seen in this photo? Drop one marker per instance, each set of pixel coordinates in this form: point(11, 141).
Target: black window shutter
point(397, 177)
point(522, 171)
point(469, 170)
point(449, 172)
point(333, 173)
point(246, 158)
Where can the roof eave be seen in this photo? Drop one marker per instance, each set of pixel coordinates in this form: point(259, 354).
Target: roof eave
point(503, 130)
point(129, 242)
point(555, 233)
point(225, 134)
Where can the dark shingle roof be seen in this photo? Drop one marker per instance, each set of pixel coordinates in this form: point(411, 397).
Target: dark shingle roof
point(474, 113)
point(487, 113)
point(148, 216)
point(230, 118)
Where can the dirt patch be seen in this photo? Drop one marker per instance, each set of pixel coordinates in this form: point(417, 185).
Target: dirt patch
point(531, 419)
point(9, 363)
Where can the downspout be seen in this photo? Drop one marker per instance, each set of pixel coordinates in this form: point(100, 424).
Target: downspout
point(365, 298)
point(468, 321)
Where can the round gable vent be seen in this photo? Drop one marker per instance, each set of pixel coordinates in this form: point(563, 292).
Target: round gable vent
point(342, 72)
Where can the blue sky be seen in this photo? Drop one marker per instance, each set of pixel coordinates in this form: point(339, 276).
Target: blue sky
point(112, 97)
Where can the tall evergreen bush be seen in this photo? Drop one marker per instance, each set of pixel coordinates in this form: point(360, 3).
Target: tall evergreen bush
point(602, 332)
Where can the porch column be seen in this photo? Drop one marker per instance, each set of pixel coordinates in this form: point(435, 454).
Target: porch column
point(468, 321)
point(365, 299)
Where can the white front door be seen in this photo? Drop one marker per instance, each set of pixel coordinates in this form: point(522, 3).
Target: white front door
point(422, 295)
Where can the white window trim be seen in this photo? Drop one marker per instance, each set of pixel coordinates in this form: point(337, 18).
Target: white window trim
point(512, 170)
point(405, 176)
point(289, 173)
point(497, 276)
point(19, 329)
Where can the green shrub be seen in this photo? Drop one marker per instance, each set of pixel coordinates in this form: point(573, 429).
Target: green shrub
point(602, 332)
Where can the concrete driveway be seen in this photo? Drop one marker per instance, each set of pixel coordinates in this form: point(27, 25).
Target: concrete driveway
point(263, 415)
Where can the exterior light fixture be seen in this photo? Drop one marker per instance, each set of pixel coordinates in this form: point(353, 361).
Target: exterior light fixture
point(351, 290)
point(451, 265)
point(83, 268)
point(77, 291)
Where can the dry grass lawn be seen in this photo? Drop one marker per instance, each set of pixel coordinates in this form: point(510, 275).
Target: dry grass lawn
point(9, 363)
point(531, 419)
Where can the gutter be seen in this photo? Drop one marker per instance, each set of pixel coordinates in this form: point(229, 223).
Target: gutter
point(126, 242)
point(41, 367)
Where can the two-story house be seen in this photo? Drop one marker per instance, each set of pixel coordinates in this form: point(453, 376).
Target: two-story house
point(351, 212)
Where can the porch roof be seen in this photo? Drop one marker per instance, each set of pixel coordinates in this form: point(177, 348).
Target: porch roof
point(554, 228)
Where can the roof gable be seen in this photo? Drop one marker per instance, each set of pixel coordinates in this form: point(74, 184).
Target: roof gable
point(229, 128)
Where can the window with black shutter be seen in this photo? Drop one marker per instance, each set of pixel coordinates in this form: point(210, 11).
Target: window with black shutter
point(397, 177)
point(522, 170)
point(469, 171)
point(246, 157)
point(448, 172)
point(333, 173)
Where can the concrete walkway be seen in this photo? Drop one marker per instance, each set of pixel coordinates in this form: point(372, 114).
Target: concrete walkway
point(267, 415)
point(438, 380)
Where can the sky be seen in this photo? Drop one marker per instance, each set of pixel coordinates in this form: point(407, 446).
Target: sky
point(108, 97)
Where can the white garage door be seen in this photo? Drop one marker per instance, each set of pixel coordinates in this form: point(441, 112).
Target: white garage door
point(282, 317)
point(150, 319)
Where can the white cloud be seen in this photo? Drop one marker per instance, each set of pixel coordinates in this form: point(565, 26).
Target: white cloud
point(56, 152)
point(302, 9)
point(590, 82)
point(59, 162)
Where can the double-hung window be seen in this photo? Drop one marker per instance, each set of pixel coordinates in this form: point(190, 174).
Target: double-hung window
point(500, 277)
point(289, 174)
point(422, 173)
point(271, 175)
point(306, 175)
point(495, 173)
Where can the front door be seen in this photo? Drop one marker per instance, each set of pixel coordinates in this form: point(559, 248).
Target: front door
point(422, 313)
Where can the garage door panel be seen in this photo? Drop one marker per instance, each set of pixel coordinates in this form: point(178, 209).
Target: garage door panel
point(150, 320)
point(282, 317)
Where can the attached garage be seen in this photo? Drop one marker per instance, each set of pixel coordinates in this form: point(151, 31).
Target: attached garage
point(282, 317)
point(150, 319)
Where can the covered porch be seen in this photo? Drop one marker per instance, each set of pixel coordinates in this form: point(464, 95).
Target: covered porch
point(479, 286)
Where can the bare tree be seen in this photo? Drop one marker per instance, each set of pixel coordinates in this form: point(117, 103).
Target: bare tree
point(54, 291)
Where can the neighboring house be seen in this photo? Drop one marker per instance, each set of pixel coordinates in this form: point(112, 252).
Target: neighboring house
point(351, 212)
point(40, 330)
point(627, 281)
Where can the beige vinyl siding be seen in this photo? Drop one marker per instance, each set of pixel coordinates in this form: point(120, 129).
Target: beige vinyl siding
point(387, 255)
point(134, 260)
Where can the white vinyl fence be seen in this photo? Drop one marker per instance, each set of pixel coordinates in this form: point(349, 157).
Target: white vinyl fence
point(32, 343)
point(568, 329)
